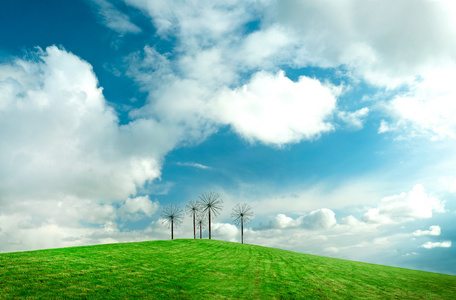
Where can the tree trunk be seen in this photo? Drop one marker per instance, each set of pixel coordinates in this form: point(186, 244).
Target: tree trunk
point(210, 224)
point(201, 231)
point(172, 229)
point(242, 229)
point(194, 226)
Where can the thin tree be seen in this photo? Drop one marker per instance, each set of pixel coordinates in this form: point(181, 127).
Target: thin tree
point(201, 223)
point(192, 208)
point(172, 217)
point(242, 214)
point(212, 204)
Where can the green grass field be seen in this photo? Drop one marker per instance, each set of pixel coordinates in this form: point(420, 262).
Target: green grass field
point(206, 269)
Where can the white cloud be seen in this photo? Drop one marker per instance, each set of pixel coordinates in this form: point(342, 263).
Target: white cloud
point(196, 23)
point(114, 19)
point(433, 230)
point(411, 47)
point(318, 219)
point(30, 225)
point(281, 221)
point(65, 159)
point(270, 108)
point(275, 110)
point(134, 209)
point(430, 245)
point(385, 47)
point(225, 231)
point(428, 109)
point(354, 119)
point(266, 48)
point(60, 137)
point(416, 204)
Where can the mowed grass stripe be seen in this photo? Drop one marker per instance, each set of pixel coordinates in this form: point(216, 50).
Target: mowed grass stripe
point(206, 269)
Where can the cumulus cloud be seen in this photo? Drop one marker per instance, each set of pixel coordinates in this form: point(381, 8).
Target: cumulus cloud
point(430, 245)
point(318, 219)
point(213, 79)
point(273, 109)
point(270, 108)
point(281, 221)
point(427, 109)
point(416, 204)
point(60, 137)
point(135, 209)
point(225, 231)
point(386, 47)
point(38, 224)
point(433, 230)
point(65, 159)
point(410, 48)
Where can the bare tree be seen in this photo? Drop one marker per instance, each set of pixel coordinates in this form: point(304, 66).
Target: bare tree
point(201, 223)
point(172, 216)
point(192, 208)
point(242, 214)
point(212, 204)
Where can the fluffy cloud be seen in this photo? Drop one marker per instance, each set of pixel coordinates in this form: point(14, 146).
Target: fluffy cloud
point(225, 231)
point(65, 159)
point(281, 221)
point(427, 109)
point(433, 230)
point(60, 137)
point(38, 224)
point(386, 47)
point(416, 204)
point(273, 109)
point(318, 219)
point(135, 209)
point(430, 245)
point(213, 78)
point(270, 108)
point(409, 48)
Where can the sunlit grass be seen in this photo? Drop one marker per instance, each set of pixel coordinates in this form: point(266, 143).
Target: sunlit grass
point(206, 269)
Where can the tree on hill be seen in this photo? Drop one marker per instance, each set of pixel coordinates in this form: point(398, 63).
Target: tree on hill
point(172, 217)
point(242, 214)
point(201, 223)
point(212, 204)
point(192, 208)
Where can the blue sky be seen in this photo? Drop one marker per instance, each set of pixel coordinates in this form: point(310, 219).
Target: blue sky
point(334, 120)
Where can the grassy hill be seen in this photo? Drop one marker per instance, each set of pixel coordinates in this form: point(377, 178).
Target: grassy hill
point(205, 269)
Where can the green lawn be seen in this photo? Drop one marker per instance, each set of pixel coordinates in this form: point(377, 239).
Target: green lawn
point(206, 269)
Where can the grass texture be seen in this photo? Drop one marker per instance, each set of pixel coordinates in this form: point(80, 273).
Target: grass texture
point(206, 269)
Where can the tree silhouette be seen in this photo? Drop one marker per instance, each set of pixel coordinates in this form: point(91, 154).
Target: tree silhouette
point(242, 214)
point(212, 204)
point(172, 216)
point(192, 208)
point(201, 223)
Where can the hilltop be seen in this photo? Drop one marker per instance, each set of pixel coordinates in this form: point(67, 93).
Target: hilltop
point(206, 269)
